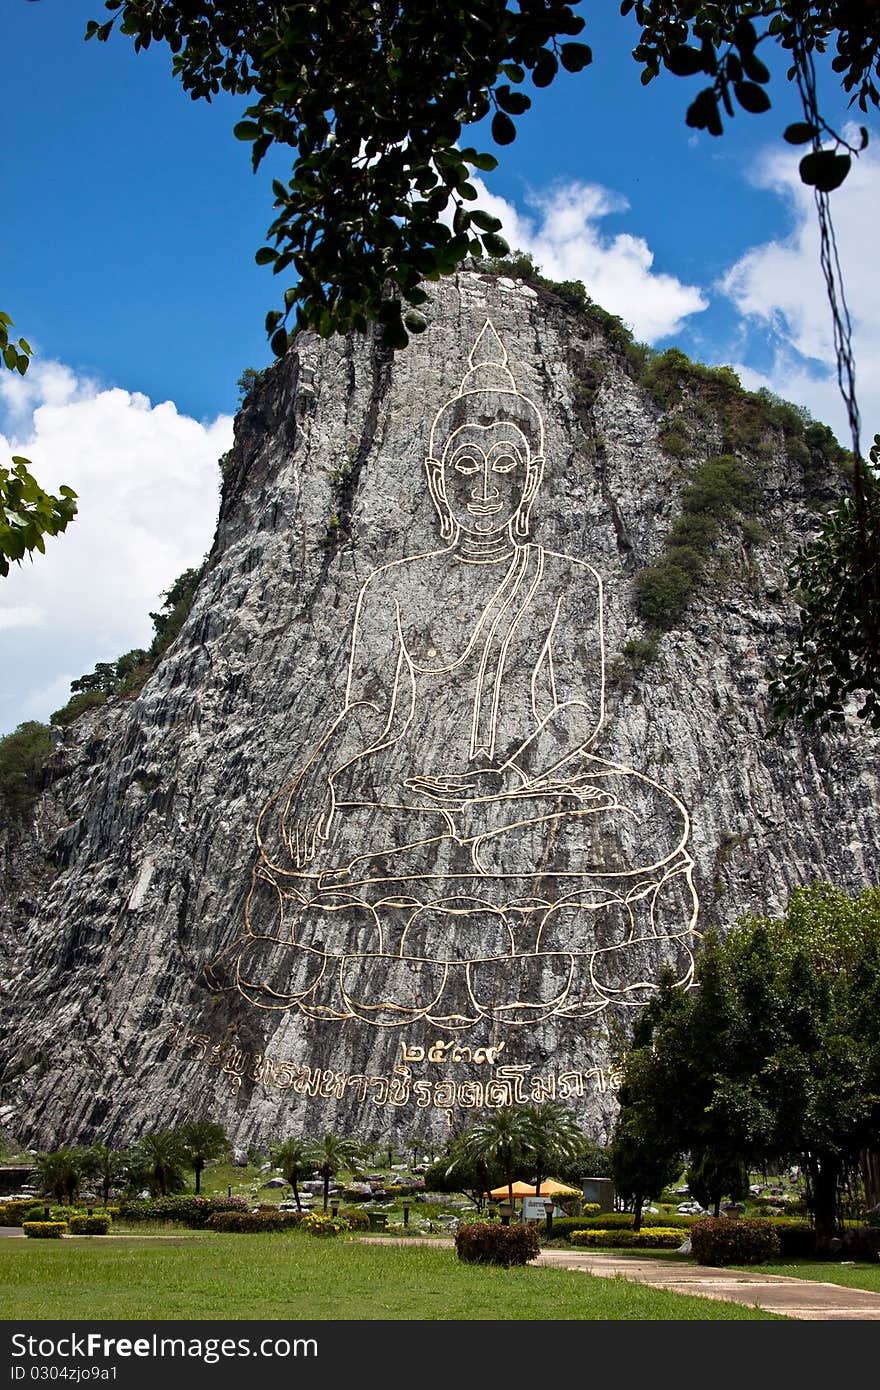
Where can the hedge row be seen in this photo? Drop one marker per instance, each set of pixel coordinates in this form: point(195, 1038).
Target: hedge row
point(194, 1212)
point(617, 1221)
point(44, 1230)
point(734, 1240)
point(254, 1222)
point(485, 1243)
point(649, 1238)
point(98, 1224)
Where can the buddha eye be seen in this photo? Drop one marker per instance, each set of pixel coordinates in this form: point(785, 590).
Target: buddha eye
point(504, 464)
point(466, 463)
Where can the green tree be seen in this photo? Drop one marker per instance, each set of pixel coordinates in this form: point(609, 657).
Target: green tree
point(295, 1158)
point(554, 1138)
point(502, 1138)
point(200, 1142)
point(61, 1172)
point(330, 1155)
point(161, 1159)
point(27, 512)
point(107, 1166)
point(458, 1169)
point(23, 756)
point(373, 100)
point(775, 1056)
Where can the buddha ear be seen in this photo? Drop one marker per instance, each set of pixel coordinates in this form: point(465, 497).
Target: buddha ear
point(437, 489)
point(522, 519)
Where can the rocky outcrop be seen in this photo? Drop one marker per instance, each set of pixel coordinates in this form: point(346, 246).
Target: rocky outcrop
point(433, 947)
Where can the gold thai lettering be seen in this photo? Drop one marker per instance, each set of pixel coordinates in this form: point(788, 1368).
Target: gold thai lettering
point(411, 1054)
point(444, 1094)
point(401, 1079)
point(571, 1083)
point(470, 1094)
point(423, 1094)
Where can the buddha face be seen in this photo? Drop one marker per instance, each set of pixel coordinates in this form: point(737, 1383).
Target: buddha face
point(486, 477)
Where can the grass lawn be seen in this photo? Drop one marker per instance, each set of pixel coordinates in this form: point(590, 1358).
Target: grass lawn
point(852, 1276)
point(294, 1275)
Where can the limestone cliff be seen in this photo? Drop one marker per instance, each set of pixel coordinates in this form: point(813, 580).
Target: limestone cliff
point(409, 813)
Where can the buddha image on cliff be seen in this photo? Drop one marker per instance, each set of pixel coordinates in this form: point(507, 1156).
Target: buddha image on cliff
point(453, 849)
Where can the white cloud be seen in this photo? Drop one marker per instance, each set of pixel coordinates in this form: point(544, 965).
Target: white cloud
point(25, 615)
point(563, 233)
point(147, 484)
point(779, 289)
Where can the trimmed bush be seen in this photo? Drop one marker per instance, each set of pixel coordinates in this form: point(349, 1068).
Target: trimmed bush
point(13, 1213)
point(482, 1243)
point(44, 1230)
point(563, 1226)
point(650, 1238)
point(254, 1222)
point(734, 1240)
point(194, 1212)
point(797, 1239)
point(95, 1225)
point(357, 1220)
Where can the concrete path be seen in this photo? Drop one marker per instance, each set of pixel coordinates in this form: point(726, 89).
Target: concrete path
point(775, 1293)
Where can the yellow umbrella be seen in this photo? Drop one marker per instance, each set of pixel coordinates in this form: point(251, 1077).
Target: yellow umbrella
point(549, 1188)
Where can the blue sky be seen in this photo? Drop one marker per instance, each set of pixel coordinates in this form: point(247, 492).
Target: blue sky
point(129, 225)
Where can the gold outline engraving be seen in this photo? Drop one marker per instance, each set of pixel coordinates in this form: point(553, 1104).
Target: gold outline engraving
point(342, 927)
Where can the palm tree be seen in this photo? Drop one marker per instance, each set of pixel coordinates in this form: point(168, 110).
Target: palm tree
point(107, 1165)
point(330, 1154)
point(554, 1137)
point(202, 1140)
point(163, 1158)
point(504, 1137)
point(294, 1157)
point(61, 1172)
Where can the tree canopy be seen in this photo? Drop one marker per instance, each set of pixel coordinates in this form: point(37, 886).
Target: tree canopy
point(372, 99)
point(27, 511)
point(775, 1056)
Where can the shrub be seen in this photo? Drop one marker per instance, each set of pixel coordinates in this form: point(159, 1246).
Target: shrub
point(13, 1213)
point(77, 705)
point(23, 757)
point(649, 1238)
point(44, 1230)
point(482, 1243)
point(96, 1225)
point(797, 1239)
point(734, 1240)
point(357, 1220)
point(321, 1223)
point(254, 1222)
point(618, 1221)
point(194, 1212)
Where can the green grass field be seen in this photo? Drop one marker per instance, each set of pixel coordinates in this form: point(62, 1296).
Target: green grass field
point(852, 1276)
point(193, 1276)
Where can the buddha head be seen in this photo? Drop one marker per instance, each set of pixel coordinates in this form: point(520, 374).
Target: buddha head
point(486, 454)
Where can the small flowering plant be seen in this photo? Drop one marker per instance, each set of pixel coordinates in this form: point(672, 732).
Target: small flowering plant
point(321, 1223)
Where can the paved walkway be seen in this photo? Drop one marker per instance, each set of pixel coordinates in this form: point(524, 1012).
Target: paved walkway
point(775, 1293)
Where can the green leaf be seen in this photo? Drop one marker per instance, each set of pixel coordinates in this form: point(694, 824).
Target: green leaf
point(415, 322)
point(496, 245)
point(485, 221)
point(279, 342)
point(485, 162)
point(246, 130)
point(755, 69)
point(503, 129)
point(513, 102)
point(545, 68)
point(266, 255)
point(824, 170)
point(751, 97)
point(684, 61)
point(800, 133)
point(575, 56)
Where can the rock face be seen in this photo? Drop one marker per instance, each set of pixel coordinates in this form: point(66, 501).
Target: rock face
point(406, 820)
